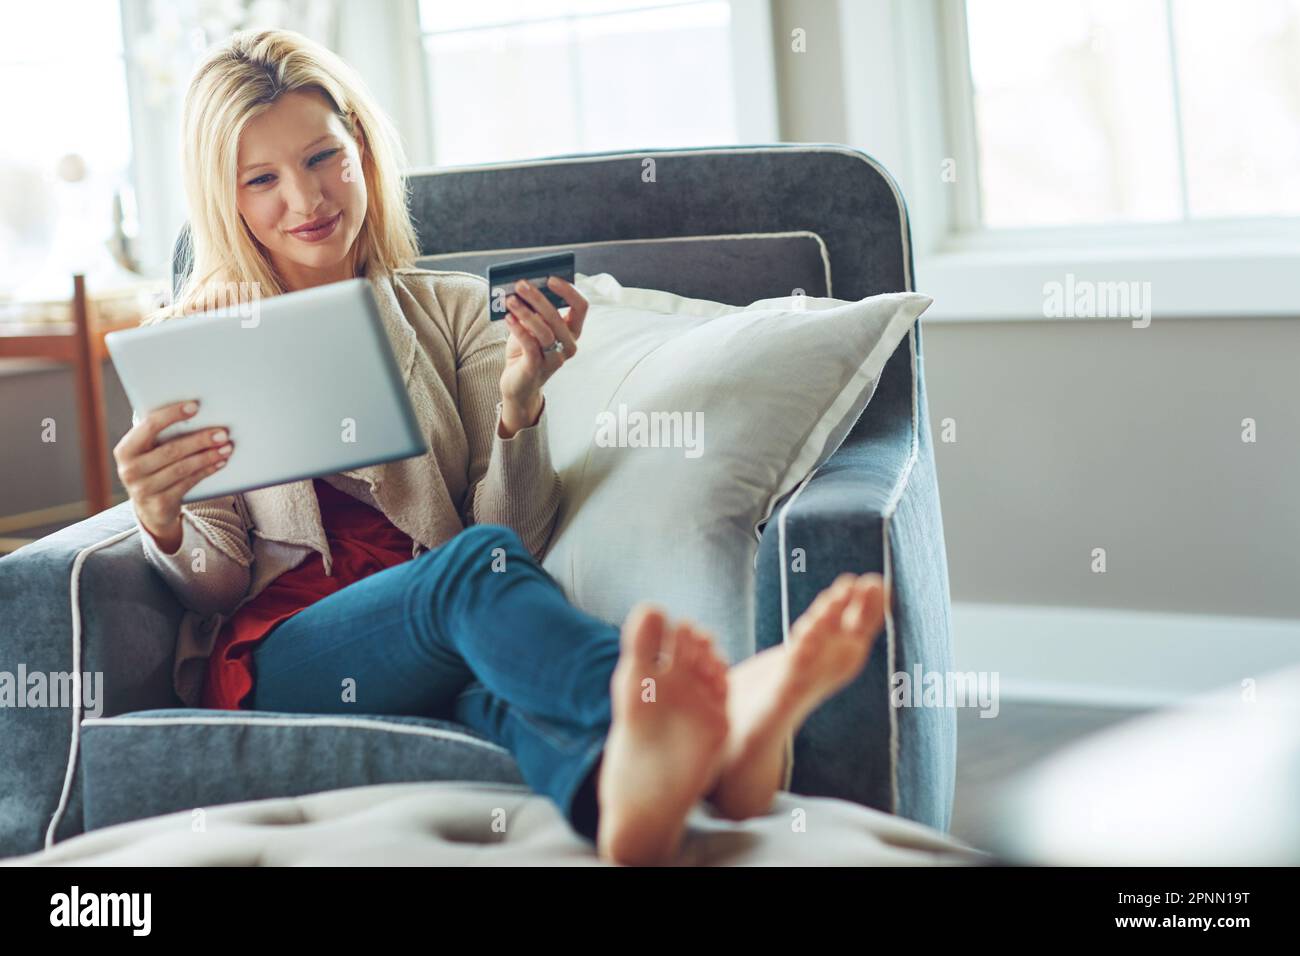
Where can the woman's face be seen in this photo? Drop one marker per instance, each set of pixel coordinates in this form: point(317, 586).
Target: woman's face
point(298, 166)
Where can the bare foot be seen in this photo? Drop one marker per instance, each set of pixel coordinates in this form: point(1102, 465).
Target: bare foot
point(665, 740)
point(772, 693)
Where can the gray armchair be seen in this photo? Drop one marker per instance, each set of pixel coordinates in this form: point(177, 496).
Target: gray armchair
point(733, 224)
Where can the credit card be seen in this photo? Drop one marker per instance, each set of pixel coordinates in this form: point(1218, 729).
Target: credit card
point(535, 270)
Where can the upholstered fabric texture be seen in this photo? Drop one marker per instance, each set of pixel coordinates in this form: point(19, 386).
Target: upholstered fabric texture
point(476, 824)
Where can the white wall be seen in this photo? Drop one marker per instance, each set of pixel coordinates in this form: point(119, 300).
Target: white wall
point(1080, 435)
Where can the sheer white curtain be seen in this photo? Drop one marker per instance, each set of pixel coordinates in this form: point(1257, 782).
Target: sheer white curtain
point(163, 40)
point(65, 155)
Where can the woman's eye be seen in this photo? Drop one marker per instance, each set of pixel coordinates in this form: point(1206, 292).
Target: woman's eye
point(267, 177)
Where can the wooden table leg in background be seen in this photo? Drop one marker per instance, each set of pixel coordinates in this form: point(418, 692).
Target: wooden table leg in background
point(89, 379)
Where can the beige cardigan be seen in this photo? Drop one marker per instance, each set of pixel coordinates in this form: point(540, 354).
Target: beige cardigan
point(451, 357)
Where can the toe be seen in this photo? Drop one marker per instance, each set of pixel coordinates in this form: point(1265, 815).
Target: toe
point(840, 591)
point(840, 602)
point(702, 653)
point(701, 648)
point(718, 679)
point(843, 586)
point(707, 663)
point(852, 619)
point(685, 647)
point(866, 583)
point(871, 587)
point(826, 608)
point(833, 609)
point(644, 633)
point(669, 647)
point(865, 613)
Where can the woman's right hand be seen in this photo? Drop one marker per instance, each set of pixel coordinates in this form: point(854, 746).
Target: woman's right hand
point(157, 475)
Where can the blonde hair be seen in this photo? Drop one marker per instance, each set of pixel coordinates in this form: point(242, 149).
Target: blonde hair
point(236, 81)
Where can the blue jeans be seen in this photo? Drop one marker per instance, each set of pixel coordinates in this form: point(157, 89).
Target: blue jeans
point(464, 632)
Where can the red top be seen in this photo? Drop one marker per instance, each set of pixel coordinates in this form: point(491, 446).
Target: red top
point(362, 541)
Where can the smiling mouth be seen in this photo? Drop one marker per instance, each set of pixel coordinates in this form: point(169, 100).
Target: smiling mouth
point(317, 229)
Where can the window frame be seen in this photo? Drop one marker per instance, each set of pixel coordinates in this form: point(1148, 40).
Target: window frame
point(908, 102)
point(753, 75)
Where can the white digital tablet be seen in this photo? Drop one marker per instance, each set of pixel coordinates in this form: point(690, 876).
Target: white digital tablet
point(306, 383)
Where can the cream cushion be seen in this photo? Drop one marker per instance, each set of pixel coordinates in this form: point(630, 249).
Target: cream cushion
point(679, 425)
point(454, 823)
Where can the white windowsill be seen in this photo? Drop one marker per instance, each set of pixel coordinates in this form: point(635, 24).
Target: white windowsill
point(989, 281)
point(899, 89)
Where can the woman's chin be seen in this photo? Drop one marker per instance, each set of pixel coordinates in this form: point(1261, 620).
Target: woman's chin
point(328, 258)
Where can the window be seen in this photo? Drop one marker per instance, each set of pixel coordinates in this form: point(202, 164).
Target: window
point(511, 79)
point(67, 146)
point(1134, 111)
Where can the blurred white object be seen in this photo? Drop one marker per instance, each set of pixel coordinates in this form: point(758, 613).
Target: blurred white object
point(1215, 782)
point(83, 227)
point(27, 217)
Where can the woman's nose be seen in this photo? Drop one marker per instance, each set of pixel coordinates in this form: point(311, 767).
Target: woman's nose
point(303, 194)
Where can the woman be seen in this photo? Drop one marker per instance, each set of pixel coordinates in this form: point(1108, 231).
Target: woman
point(293, 181)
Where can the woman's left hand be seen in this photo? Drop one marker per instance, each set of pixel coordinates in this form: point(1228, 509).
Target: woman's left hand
point(534, 326)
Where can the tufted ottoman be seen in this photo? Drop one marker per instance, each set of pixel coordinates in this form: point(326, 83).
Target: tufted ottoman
point(478, 824)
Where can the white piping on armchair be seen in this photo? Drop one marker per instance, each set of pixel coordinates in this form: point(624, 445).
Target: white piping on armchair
point(306, 720)
point(887, 518)
point(70, 772)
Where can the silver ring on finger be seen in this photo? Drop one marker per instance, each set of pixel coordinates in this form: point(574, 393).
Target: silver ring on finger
point(556, 346)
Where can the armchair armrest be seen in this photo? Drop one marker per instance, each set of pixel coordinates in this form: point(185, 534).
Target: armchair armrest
point(83, 600)
point(873, 506)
